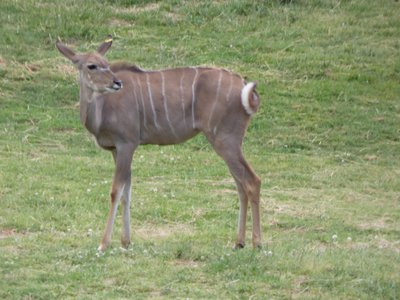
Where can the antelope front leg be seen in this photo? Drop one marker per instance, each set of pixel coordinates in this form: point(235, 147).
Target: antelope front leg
point(126, 215)
point(116, 194)
point(121, 185)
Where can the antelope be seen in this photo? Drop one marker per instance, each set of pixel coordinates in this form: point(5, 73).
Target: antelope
point(124, 106)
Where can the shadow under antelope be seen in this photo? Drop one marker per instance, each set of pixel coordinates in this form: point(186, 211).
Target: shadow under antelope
point(124, 106)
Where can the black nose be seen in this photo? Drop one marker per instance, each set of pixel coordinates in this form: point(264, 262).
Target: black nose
point(117, 84)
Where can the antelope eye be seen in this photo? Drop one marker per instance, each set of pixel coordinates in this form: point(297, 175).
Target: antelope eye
point(92, 67)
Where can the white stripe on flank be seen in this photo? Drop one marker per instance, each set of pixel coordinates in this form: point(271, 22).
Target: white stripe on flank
point(151, 100)
point(136, 97)
point(245, 97)
point(193, 96)
point(141, 102)
point(230, 87)
point(165, 103)
point(182, 97)
point(216, 100)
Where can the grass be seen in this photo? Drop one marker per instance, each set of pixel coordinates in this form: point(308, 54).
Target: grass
point(325, 143)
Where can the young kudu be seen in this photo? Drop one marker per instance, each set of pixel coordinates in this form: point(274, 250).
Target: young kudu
point(124, 106)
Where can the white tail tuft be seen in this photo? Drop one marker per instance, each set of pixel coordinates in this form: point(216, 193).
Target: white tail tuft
point(245, 97)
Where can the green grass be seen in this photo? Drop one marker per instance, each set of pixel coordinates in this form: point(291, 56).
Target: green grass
point(325, 143)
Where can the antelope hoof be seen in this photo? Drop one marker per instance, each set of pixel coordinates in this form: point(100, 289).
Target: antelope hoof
point(102, 247)
point(257, 247)
point(125, 243)
point(239, 246)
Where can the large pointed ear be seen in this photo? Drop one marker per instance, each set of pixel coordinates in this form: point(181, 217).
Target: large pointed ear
point(67, 52)
point(103, 48)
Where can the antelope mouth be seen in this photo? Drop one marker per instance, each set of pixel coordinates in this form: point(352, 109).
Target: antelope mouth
point(117, 85)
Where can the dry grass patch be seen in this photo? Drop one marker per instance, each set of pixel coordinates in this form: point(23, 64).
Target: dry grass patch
point(12, 235)
point(119, 23)
point(8, 232)
point(377, 224)
point(160, 232)
point(3, 62)
point(186, 263)
point(377, 242)
point(66, 69)
point(298, 202)
point(137, 9)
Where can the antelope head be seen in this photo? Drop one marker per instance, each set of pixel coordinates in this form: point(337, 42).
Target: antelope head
point(94, 70)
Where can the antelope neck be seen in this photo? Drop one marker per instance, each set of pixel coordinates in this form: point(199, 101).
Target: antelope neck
point(91, 104)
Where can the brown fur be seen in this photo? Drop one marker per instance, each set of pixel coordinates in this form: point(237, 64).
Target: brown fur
point(123, 66)
point(124, 106)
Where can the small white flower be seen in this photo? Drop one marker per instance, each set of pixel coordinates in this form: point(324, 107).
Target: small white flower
point(267, 253)
point(88, 190)
point(334, 237)
point(349, 239)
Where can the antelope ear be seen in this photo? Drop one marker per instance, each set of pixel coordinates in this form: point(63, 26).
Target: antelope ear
point(67, 52)
point(103, 48)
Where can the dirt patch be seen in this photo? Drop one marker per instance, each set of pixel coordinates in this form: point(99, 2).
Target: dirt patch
point(3, 63)
point(7, 232)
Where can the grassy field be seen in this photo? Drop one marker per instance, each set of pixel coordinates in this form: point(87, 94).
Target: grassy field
point(326, 143)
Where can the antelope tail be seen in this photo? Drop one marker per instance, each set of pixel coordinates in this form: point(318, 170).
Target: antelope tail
point(250, 100)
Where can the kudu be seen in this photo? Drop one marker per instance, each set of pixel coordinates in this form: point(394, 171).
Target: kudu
point(124, 106)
